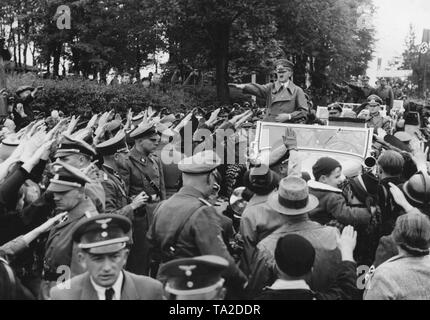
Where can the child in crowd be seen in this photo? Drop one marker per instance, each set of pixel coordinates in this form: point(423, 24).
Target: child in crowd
point(332, 203)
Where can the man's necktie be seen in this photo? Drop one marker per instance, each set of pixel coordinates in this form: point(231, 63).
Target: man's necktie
point(109, 294)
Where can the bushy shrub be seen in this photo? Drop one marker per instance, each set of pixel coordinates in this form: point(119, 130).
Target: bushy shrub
point(83, 97)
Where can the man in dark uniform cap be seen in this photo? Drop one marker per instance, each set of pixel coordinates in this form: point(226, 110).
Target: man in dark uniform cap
point(114, 152)
point(285, 102)
point(385, 92)
point(363, 91)
point(143, 172)
point(67, 187)
point(186, 225)
point(198, 278)
point(79, 154)
point(102, 241)
point(375, 119)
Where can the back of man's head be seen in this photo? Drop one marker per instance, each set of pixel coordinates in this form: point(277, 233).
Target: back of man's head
point(294, 256)
point(391, 163)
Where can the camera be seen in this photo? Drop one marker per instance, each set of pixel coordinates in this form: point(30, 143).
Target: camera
point(152, 198)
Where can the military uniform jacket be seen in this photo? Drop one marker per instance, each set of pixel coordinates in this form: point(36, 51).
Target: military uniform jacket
point(201, 235)
point(379, 121)
point(280, 99)
point(117, 200)
point(363, 92)
point(137, 166)
point(60, 249)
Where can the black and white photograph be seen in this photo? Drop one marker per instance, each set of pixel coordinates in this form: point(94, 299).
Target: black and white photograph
point(234, 151)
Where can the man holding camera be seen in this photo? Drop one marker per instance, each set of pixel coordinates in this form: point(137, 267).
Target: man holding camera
point(114, 152)
point(143, 172)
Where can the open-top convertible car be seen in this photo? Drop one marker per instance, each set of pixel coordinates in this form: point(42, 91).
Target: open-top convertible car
point(350, 146)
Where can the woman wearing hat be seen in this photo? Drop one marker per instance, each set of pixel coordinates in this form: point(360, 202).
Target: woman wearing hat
point(411, 199)
point(407, 275)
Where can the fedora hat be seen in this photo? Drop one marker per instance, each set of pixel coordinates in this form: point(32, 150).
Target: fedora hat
point(292, 197)
point(417, 189)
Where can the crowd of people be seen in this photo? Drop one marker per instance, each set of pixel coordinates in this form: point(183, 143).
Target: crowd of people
point(153, 206)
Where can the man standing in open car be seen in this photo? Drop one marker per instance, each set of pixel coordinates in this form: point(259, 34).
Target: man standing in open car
point(285, 101)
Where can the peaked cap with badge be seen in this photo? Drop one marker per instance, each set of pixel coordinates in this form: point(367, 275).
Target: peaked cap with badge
point(102, 234)
point(114, 145)
point(67, 178)
point(192, 276)
point(145, 130)
point(69, 146)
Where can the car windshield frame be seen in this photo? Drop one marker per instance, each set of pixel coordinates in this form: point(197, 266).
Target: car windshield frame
point(262, 141)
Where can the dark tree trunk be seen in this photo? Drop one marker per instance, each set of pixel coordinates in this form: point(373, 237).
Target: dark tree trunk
point(220, 35)
point(300, 70)
point(19, 49)
point(14, 51)
point(3, 103)
point(57, 55)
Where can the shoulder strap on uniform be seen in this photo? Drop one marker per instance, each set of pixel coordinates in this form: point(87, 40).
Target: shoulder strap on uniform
point(150, 181)
point(205, 202)
point(190, 213)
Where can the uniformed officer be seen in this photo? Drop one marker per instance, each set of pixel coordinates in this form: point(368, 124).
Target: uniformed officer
point(102, 241)
point(114, 152)
point(143, 172)
point(375, 119)
point(198, 278)
point(285, 102)
point(186, 225)
point(363, 91)
point(136, 120)
point(80, 154)
point(385, 92)
point(67, 187)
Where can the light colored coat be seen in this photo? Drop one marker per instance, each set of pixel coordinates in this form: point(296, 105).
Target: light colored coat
point(402, 277)
point(258, 221)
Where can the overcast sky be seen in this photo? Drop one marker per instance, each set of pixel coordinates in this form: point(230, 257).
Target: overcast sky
point(392, 24)
point(392, 20)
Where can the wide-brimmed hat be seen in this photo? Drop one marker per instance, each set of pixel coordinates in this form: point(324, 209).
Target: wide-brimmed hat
point(292, 197)
point(417, 189)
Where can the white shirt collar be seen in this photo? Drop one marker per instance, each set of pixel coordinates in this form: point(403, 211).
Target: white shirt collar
point(285, 85)
point(322, 186)
point(289, 285)
point(117, 287)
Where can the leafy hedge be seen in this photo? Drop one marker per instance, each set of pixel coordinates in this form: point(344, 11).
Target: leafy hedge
point(83, 97)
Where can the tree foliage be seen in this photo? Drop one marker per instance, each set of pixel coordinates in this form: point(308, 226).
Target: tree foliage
point(327, 39)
